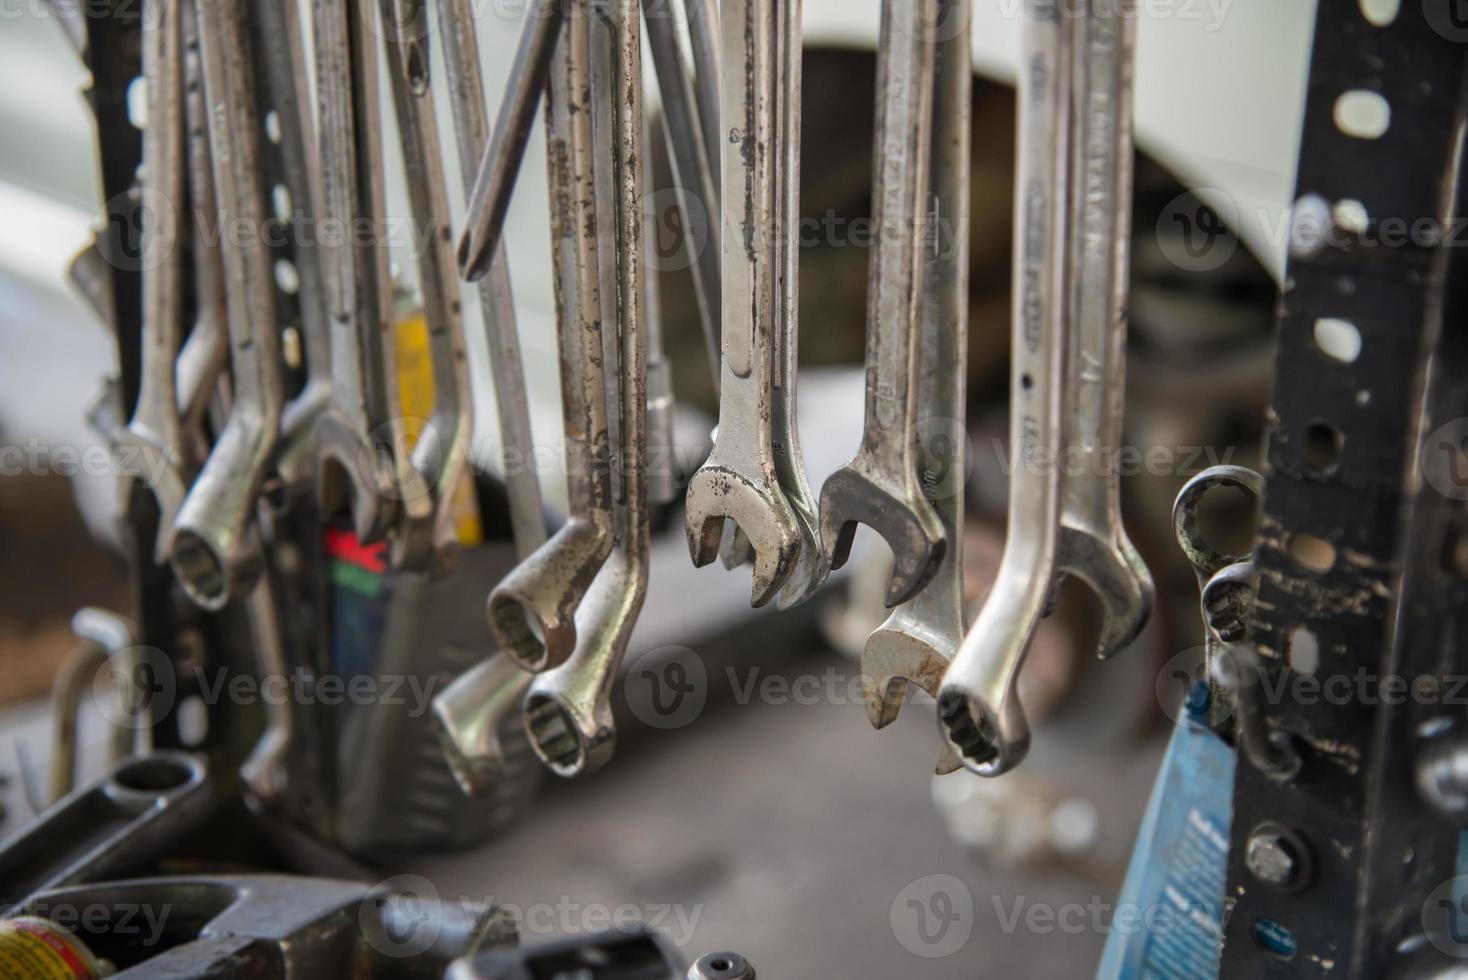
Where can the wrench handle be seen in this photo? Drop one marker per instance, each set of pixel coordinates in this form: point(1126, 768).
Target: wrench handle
point(905, 60)
point(471, 129)
point(1101, 198)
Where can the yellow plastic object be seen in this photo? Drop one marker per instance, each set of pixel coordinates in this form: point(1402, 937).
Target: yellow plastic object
point(415, 389)
point(32, 948)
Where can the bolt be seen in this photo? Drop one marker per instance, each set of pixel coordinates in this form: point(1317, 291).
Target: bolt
point(721, 966)
point(1271, 859)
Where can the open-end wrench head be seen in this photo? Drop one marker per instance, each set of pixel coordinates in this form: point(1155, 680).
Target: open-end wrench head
point(717, 493)
point(990, 741)
point(893, 658)
point(908, 524)
point(351, 471)
point(533, 610)
point(1127, 597)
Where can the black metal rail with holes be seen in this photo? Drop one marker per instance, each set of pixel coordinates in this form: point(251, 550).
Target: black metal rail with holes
point(1351, 540)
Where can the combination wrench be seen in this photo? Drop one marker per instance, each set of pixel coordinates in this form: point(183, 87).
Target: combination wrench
point(568, 713)
point(156, 428)
point(979, 712)
point(1094, 546)
point(215, 555)
point(471, 710)
point(489, 201)
point(921, 636)
point(532, 611)
point(441, 454)
point(356, 435)
point(881, 486)
point(740, 481)
point(810, 566)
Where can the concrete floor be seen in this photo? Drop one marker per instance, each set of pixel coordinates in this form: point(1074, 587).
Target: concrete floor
point(796, 835)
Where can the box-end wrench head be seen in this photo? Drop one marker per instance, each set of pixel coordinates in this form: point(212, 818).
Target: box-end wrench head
point(739, 481)
point(156, 430)
point(533, 609)
point(468, 717)
point(978, 709)
point(880, 487)
point(1094, 546)
point(215, 552)
point(568, 714)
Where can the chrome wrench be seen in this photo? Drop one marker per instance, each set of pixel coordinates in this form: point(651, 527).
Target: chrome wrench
point(496, 170)
point(156, 430)
point(1094, 546)
point(810, 567)
point(694, 167)
point(466, 96)
point(739, 480)
point(979, 713)
point(214, 554)
point(921, 636)
point(357, 434)
point(471, 710)
point(532, 610)
point(568, 710)
point(881, 486)
point(441, 455)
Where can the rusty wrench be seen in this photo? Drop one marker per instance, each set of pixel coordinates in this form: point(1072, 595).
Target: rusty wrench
point(979, 713)
point(532, 610)
point(1094, 546)
point(921, 636)
point(881, 486)
point(739, 480)
point(156, 428)
point(214, 553)
point(568, 710)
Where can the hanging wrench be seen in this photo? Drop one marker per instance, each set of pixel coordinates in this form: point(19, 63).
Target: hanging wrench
point(355, 435)
point(441, 455)
point(920, 637)
point(881, 486)
point(497, 168)
point(810, 568)
point(703, 36)
point(471, 711)
point(214, 553)
point(694, 169)
point(532, 610)
point(739, 481)
point(1094, 545)
point(205, 354)
point(466, 96)
point(156, 430)
point(979, 712)
point(568, 710)
point(290, 158)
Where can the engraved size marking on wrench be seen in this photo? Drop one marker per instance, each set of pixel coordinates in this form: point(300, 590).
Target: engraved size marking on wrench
point(979, 714)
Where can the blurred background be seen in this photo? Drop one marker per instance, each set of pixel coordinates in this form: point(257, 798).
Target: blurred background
point(782, 819)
